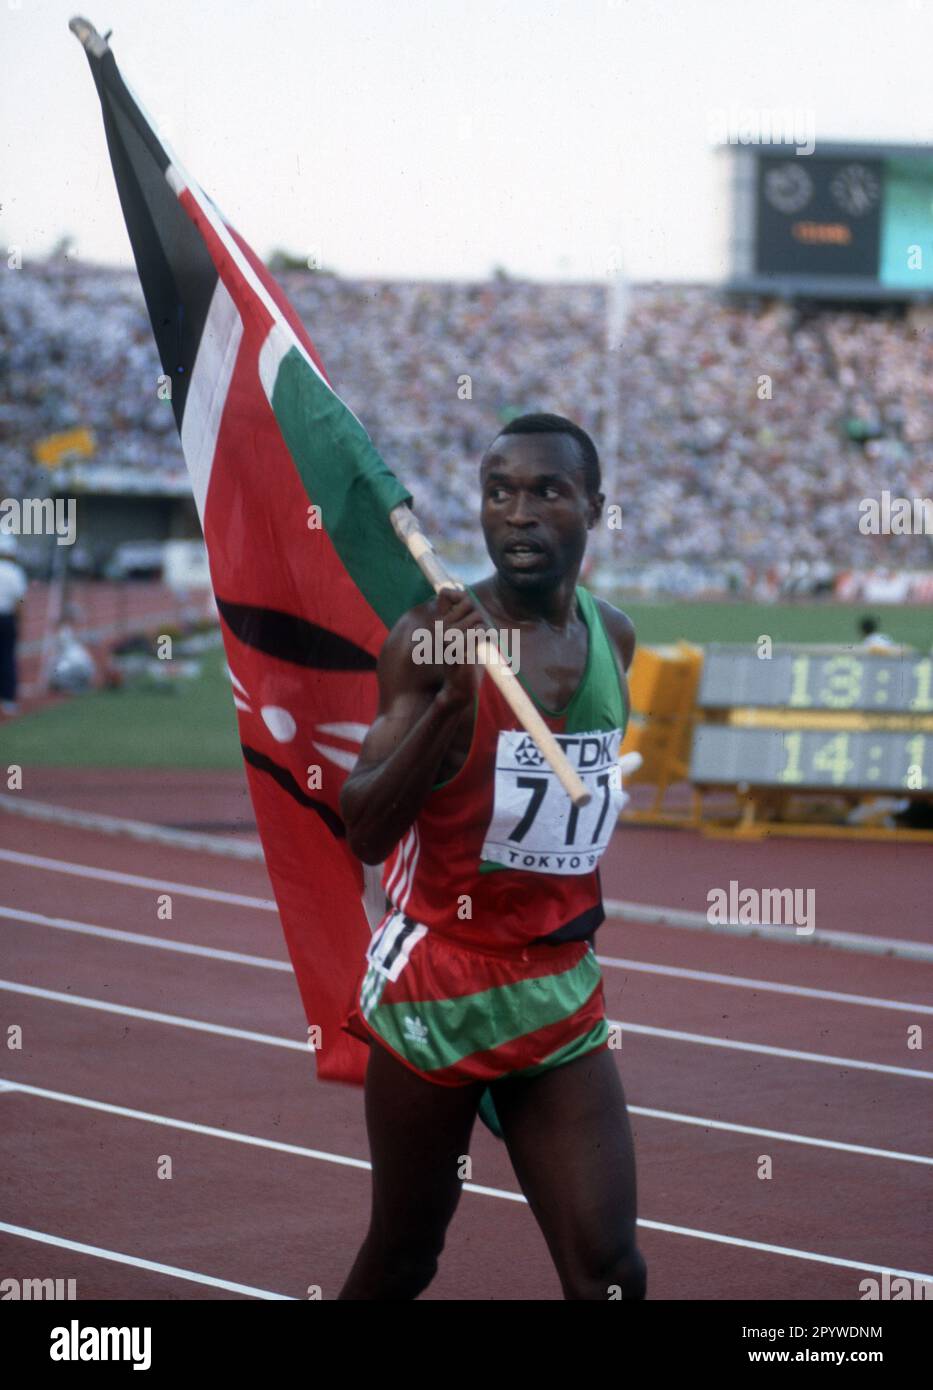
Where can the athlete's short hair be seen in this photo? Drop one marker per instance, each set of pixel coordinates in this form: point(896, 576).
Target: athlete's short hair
point(542, 423)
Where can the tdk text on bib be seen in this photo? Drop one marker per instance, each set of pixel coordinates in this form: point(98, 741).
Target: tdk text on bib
point(534, 825)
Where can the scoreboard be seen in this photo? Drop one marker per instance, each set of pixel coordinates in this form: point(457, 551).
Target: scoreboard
point(819, 216)
point(834, 220)
point(816, 679)
point(873, 761)
point(815, 717)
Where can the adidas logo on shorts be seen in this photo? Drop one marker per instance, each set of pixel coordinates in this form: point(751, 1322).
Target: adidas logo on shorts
point(415, 1030)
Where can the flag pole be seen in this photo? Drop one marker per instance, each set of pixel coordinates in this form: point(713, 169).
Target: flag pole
point(406, 527)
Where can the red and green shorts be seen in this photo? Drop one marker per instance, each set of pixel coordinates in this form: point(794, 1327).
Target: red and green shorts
point(457, 1014)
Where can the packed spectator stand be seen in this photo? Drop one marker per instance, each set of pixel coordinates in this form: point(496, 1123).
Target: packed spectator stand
point(748, 431)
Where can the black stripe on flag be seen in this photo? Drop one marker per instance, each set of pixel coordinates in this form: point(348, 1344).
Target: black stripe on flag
point(176, 272)
point(287, 782)
point(290, 638)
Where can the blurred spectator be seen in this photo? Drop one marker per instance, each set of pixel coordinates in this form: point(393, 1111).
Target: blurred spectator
point(13, 585)
point(872, 638)
point(73, 666)
point(745, 435)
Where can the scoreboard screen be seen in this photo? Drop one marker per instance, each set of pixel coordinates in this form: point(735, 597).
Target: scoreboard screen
point(817, 680)
point(819, 216)
point(834, 220)
point(870, 760)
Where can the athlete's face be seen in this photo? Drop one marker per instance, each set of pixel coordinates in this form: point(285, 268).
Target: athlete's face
point(535, 510)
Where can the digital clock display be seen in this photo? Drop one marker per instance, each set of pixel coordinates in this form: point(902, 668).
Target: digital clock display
point(798, 680)
point(872, 760)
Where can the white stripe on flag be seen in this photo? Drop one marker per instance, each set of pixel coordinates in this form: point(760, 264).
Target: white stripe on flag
point(207, 393)
point(282, 336)
point(237, 683)
point(341, 756)
point(354, 732)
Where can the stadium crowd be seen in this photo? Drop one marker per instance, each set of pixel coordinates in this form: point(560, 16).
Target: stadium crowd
point(745, 434)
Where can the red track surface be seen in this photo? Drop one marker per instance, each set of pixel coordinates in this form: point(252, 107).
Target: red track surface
point(280, 1222)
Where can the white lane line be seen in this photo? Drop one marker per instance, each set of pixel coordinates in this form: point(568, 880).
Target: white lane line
point(116, 1257)
point(192, 1126)
point(792, 1055)
point(702, 1039)
point(618, 909)
point(697, 921)
point(132, 938)
point(108, 1108)
point(833, 996)
point(162, 885)
point(151, 1016)
point(782, 1250)
point(783, 1136)
point(500, 1193)
point(16, 805)
point(615, 908)
point(251, 849)
point(163, 943)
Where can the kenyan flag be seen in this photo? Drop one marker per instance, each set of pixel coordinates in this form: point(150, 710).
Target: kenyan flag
point(306, 568)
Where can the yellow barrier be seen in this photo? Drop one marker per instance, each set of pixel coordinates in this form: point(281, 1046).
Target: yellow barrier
point(662, 688)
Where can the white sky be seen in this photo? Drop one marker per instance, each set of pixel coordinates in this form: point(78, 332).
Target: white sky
point(441, 138)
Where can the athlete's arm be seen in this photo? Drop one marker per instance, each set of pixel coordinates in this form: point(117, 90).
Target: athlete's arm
point(420, 706)
point(621, 631)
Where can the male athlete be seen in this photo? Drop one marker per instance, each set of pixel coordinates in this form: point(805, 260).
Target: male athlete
point(483, 973)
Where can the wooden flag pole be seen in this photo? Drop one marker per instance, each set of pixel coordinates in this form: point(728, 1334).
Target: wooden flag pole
point(406, 527)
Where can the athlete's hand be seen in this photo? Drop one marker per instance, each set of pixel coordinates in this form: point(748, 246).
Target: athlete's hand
point(457, 610)
point(629, 764)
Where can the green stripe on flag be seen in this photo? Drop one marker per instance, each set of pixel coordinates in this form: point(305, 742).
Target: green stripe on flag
point(435, 1033)
point(344, 475)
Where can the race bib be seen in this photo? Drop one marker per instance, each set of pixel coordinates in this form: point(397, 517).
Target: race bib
point(534, 825)
point(391, 944)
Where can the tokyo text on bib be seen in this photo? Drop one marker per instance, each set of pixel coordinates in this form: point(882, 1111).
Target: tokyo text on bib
point(534, 825)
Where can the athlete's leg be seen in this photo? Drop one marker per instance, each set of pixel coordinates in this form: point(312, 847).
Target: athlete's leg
point(419, 1133)
point(568, 1136)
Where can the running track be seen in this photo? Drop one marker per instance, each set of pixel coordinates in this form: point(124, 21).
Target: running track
point(132, 1052)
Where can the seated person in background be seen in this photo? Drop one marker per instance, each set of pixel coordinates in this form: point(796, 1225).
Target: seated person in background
point(871, 637)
